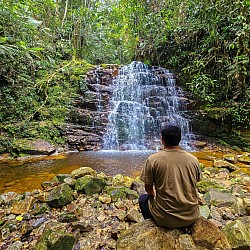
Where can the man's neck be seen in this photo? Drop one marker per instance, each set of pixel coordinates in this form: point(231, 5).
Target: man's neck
point(171, 147)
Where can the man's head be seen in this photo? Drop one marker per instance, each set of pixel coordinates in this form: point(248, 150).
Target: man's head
point(171, 135)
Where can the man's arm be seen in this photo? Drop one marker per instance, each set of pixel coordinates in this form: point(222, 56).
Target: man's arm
point(149, 189)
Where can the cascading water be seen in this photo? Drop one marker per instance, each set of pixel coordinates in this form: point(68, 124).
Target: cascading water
point(142, 100)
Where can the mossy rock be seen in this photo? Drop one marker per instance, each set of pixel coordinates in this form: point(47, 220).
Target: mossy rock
point(90, 184)
point(54, 239)
point(33, 147)
point(60, 196)
point(206, 184)
point(122, 193)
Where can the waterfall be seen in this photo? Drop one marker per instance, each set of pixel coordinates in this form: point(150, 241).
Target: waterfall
point(142, 100)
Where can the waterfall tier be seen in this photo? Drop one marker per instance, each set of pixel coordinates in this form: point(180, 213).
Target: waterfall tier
point(143, 99)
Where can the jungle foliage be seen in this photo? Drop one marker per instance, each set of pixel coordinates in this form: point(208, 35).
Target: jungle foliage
point(43, 42)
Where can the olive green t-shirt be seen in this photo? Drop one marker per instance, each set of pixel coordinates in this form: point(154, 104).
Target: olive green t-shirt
point(174, 174)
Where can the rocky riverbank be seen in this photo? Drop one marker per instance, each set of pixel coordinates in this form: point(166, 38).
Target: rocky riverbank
point(86, 210)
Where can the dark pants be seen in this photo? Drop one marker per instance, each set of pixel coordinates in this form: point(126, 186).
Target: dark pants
point(143, 203)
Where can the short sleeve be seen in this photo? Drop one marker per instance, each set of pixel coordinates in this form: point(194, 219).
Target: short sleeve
point(199, 174)
point(147, 173)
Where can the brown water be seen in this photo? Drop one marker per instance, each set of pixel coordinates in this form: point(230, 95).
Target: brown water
point(29, 176)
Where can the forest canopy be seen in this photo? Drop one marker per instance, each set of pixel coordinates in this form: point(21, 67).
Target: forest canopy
point(205, 42)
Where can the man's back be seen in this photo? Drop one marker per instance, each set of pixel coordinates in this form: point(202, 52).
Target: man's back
point(174, 173)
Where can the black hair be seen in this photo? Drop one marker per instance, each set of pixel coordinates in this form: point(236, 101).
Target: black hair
point(171, 134)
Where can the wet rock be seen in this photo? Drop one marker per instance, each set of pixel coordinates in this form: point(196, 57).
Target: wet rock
point(206, 234)
point(60, 196)
point(90, 185)
point(80, 172)
point(219, 198)
point(23, 206)
point(238, 235)
point(34, 147)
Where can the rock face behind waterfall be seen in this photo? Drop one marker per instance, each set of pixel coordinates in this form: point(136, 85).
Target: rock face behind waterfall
point(90, 114)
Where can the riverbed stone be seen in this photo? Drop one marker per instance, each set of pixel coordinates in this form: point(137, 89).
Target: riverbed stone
point(90, 184)
point(121, 192)
point(80, 172)
point(70, 181)
point(225, 164)
point(232, 158)
point(10, 198)
point(244, 159)
point(105, 198)
point(219, 198)
point(134, 215)
point(61, 177)
point(207, 184)
point(23, 206)
point(59, 196)
point(237, 234)
point(54, 237)
point(205, 234)
point(17, 245)
point(204, 211)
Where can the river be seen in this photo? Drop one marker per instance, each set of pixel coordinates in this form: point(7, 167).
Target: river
point(19, 177)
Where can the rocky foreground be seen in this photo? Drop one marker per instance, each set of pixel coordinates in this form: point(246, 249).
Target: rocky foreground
point(86, 210)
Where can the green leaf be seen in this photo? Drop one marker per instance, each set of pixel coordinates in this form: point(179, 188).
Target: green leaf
point(3, 39)
point(35, 49)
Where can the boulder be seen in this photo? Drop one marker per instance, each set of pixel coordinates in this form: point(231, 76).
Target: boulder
point(23, 206)
point(34, 147)
point(59, 196)
point(147, 235)
point(225, 164)
point(206, 234)
point(61, 177)
point(219, 198)
point(237, 234)
point(54, 237)
point(122, 193)
point(90, 184)
point(207, 184)
point(80, 172)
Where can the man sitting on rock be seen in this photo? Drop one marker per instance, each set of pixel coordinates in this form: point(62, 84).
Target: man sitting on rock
point(170, 178)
